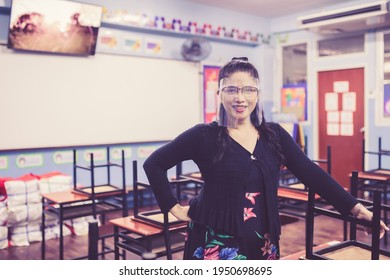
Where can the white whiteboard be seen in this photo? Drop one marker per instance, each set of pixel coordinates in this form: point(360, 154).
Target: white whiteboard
point(58, 101)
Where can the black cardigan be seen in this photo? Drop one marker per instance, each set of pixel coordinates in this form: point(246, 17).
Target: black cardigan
point(218, 205)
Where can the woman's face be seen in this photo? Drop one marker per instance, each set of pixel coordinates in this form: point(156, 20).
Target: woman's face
point(239, 96)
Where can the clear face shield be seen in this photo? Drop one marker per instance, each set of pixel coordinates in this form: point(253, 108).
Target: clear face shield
point(238, 102)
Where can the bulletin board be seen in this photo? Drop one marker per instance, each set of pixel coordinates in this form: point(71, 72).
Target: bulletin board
point(210, 88)
point(56, 100)
point(294, 101)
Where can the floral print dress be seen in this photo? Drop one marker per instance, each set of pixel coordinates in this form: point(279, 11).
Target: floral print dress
point(204, 243)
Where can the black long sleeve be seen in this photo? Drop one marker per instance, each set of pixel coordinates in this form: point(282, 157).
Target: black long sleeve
point(183, 147)
point(313, 176)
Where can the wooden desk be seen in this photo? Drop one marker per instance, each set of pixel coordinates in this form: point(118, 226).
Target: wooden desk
point(139, 237)
point(70, 205)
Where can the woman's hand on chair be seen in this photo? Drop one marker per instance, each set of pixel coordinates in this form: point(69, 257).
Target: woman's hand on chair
point(361, 212)
point(180, 212)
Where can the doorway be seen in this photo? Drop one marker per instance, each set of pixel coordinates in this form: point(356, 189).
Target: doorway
point(341, 120)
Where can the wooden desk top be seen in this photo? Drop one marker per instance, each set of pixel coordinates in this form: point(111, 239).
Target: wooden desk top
point(65, 197)
point(138, 227)
point(294, 194)
point(371, 175)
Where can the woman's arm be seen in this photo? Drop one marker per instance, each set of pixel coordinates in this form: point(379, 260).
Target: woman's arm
point(361, 212)
point(183, 147)
point(314, 177)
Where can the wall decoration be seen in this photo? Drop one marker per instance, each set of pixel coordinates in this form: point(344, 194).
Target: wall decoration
point(63, 157)
point(98, 154)
point(132, 43)
point(29, 160)
point(116, 153)
point(341, 86)
point(333, 129)
point(108, 39)
point(3, 162)
point(349, 101)
point(331, 101)
point(210, 88)
point(153, 46)
point(145, 151)
point(294, 101)
point(339, 117)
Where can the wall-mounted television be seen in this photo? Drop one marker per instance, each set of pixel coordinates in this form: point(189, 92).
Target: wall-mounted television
point(54, 26)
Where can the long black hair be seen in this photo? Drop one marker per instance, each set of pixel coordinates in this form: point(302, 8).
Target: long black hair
point(241, 64)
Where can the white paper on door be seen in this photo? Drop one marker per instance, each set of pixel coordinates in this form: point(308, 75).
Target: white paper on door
point(331, 101)
point(349, 101)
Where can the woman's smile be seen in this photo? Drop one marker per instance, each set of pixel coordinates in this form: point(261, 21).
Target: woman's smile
point(239, 108)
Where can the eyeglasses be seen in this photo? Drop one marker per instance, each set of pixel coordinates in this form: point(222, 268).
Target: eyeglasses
point(247, 91)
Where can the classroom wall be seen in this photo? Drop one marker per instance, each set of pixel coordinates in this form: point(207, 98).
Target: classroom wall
point(264, 57)
point(40, 161)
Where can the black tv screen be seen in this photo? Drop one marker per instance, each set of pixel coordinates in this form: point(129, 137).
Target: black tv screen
point(54, 26)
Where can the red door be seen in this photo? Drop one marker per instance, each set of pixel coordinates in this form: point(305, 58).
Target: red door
point(341, 118)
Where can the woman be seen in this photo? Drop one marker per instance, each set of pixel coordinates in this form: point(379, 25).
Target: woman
point(235, 216)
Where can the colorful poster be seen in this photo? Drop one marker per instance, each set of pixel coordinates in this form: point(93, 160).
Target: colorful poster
point(294, 101)
point(386, 101)
point(210, 88)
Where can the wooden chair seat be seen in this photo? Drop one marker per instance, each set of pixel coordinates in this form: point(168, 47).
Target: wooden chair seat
point(352, 253)
point(294, 194)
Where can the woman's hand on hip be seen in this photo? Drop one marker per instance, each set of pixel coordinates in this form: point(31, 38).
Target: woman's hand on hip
point(180, 212)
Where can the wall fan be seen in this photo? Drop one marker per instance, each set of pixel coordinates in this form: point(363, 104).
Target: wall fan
point(195, 49)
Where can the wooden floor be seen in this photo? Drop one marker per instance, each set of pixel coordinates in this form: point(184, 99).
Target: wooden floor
point(292, 241)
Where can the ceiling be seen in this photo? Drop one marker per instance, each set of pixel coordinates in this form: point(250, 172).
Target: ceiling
point(270, 8)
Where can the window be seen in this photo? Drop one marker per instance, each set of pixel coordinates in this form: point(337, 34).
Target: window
point(385, 110)
point(338, 46)
point(294, 89)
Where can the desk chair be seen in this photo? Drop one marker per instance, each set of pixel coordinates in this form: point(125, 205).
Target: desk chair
point(292, 194)
point(367, 182)
point(108, 191)
point(188, 184)
point(380, 153)
point(87, 201)
point(351, 248)
point(147, 231)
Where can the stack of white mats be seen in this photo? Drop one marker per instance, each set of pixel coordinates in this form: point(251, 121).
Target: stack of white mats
point(24, 210)
point(21, 209)
point(3, 220)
